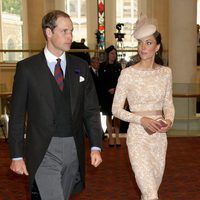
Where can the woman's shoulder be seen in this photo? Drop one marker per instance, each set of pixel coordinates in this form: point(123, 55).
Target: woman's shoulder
point(166, 68)
point(126, 71)
point(166, 71)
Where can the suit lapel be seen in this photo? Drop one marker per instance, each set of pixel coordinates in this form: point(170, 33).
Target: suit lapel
point(44, 81)
point(74, 75)
point(73, 72)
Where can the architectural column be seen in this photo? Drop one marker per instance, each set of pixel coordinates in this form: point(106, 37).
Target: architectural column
point(110, 22)
point(36, 10)
point(182, 40)
point(25, 43)
point(59, 4)
point(182, 60)
point(1, 44)
point(92, 23)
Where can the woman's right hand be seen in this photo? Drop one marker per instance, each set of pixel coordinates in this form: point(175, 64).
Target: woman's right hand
point(150, 124)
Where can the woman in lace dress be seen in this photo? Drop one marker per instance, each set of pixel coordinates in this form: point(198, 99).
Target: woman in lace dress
point(147, 86)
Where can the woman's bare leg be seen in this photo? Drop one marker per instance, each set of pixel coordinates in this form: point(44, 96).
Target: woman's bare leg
point(109, 129)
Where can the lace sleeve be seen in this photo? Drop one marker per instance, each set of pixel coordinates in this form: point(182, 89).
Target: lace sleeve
point(168, 106)
point(120, 99)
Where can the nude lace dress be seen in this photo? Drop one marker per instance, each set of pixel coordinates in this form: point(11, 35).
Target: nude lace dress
point(148, 90)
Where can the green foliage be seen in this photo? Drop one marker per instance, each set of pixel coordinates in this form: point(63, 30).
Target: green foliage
point(12, 6)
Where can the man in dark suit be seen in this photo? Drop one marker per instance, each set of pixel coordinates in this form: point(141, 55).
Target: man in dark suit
point(54, 91)
point(94, 69)
point(84, 55)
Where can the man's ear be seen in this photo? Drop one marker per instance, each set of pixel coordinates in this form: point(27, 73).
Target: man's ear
point(48, 32)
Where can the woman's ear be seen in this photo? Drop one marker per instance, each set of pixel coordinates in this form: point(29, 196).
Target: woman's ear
point(158, 47)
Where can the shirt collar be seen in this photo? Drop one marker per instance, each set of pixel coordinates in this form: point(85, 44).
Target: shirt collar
point(52, 58)
point(94, 70)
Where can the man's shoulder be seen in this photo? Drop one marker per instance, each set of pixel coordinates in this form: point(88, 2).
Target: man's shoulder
point(31, 59)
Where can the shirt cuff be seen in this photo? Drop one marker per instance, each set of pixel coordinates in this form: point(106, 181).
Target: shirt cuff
point(95, 149)
point(20, 158)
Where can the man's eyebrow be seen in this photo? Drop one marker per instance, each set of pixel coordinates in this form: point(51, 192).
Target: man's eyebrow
point(67, 29)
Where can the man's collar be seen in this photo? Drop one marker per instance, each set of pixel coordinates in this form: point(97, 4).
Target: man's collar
point(51, 57)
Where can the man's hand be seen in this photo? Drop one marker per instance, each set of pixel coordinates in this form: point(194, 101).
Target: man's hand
point(19, 167)
point(95, 158)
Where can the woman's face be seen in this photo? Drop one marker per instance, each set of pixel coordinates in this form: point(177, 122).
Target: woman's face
point(112, 55)
point(147, 47)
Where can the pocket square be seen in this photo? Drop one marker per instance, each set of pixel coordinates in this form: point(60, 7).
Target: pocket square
point(81, 79)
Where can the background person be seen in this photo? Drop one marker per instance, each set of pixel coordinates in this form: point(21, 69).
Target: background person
point(147, 86)
point(94, 69)
point(109, 73)
point(56, 110)
point(81, 45)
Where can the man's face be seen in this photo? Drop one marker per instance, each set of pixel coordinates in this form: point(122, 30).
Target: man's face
point(60, 39)
point(95, 64)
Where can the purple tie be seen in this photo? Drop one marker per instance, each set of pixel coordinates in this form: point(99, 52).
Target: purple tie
point(58, 74)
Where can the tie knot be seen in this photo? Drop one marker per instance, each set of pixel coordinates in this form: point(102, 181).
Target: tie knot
point(58, 60)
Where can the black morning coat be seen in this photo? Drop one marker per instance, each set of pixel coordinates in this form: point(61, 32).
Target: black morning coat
point(33, 99)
